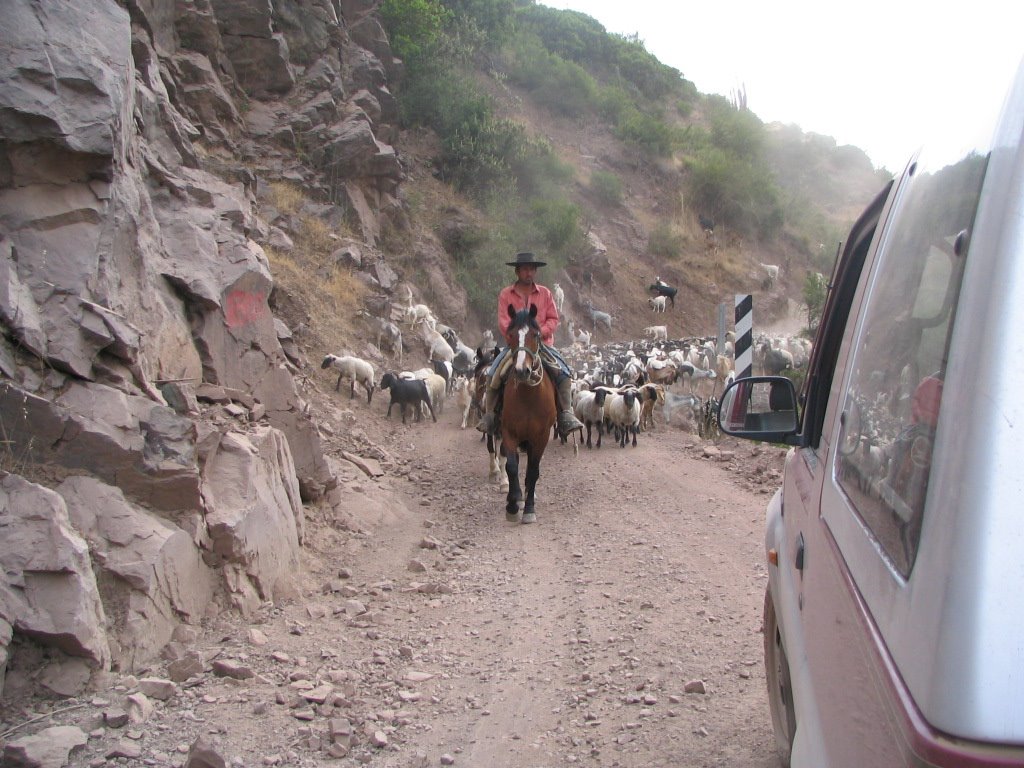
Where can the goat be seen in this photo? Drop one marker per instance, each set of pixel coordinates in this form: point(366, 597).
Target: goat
point(657, 303)
point(706, 222)
point(772, 272)
point(597, 317)
point(581, 337)
point(463, 391)
point(775, 361)
point(650, 395)
point(657, 332)
point(664, 291)
point(436, 385)
point(420, 313)
point(661, 371)
point(446, 371)
point(622, 412)
point(386, 331)
point(559, 295)
point(589, 408)
point(354, 368)
point(673, 401)
point(407, 392)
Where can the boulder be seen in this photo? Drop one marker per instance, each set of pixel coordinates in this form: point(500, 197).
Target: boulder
point(155, 572)
point(49, 748)
point(48, 590)
point(253, 513)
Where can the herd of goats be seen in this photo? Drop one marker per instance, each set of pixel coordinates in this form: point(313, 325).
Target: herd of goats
point(676, 376)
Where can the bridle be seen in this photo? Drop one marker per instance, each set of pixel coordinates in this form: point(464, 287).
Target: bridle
point(536, 369)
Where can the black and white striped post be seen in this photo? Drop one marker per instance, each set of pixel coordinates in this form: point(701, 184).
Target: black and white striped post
point(744, 335)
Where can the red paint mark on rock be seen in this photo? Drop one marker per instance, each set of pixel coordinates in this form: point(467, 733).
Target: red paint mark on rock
point(243, 307)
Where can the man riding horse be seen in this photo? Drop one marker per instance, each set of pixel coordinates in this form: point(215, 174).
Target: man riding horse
point(520, 295)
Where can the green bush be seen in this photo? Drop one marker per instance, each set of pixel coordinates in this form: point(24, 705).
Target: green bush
point(665, 242)
point(607, 187)
point(557, 222)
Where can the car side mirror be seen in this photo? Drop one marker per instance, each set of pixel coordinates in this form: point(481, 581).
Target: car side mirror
point(760, 408)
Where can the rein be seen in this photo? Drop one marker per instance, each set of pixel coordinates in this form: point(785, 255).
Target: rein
point(536, 368)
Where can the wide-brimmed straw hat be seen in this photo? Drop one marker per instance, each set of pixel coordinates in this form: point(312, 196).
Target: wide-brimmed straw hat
point(526, 259)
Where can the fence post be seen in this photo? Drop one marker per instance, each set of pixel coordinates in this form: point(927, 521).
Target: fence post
point(744, 335)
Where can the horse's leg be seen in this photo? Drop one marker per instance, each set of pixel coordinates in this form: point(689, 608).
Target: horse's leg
point(515, 492)
point(532, 473)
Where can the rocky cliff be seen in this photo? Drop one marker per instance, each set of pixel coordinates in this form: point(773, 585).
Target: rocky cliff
point(156, 448)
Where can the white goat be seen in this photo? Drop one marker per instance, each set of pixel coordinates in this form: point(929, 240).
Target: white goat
point(772, 272)
point(463, 398)
point(354, 368)
point(420, 314)
point(657, 303)
point(559, 295)
point(656, 332)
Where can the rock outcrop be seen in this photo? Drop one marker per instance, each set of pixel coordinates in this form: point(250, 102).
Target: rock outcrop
point(140, 359)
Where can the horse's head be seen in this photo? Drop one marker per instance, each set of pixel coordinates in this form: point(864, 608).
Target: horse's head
point(524, 332)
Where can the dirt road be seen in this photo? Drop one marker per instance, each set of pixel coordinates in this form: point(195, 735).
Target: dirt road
point(438, 633)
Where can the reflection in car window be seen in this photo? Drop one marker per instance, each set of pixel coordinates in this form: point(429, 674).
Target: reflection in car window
point(899, 358)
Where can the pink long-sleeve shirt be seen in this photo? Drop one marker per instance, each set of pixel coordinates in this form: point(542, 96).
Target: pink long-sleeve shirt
point(547, 314)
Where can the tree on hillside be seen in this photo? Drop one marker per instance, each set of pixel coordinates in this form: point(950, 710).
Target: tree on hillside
point(814, 292)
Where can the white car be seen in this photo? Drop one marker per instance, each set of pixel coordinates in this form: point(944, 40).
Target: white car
point(894, 614)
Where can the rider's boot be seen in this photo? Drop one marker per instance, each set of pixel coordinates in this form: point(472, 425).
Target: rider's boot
point(567, 422)
point(486, 423)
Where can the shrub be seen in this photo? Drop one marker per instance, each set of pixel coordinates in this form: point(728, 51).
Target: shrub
point(607, 187)
point(665, 242)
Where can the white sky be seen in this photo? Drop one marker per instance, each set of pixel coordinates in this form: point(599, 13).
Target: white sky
point(882, 75)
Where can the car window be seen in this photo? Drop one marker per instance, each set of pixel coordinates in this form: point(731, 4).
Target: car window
point(900, 355)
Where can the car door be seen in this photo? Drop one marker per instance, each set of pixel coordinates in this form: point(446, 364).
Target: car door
point(884, 415)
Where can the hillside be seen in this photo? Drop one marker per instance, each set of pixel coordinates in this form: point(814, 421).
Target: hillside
point(200, 200)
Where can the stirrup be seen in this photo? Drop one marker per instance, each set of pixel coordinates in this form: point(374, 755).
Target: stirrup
point(568, 423)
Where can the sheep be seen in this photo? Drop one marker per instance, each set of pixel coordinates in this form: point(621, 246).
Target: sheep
point(657, 303)
point(355, 369)
point(656, 332)
point(407, 392)
point(589, 408)
point(622, 412)
point(559, 295)
point(650, 395)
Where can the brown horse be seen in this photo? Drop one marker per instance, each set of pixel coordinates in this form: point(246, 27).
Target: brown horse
point(528, 411)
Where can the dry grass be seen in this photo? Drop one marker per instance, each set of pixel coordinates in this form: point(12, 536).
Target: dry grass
point(330, 293)
point(286, 197)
